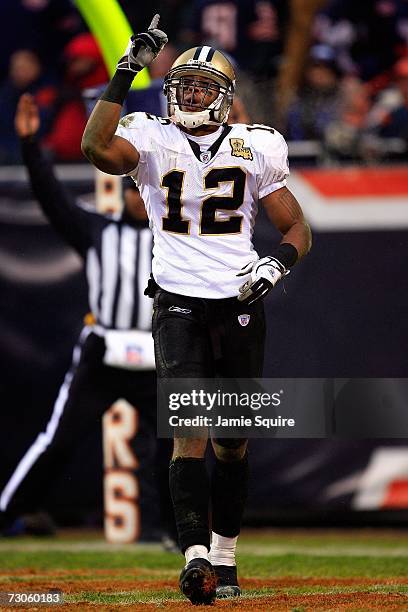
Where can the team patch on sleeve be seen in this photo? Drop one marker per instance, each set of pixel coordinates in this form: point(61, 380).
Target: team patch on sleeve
point(127, 120)
point(239, 150)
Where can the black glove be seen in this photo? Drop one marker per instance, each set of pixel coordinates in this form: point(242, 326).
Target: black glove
point(143, 48)
point(265, 273)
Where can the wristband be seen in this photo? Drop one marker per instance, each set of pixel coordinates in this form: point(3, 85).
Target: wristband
point(118, 88)
point(286, 254)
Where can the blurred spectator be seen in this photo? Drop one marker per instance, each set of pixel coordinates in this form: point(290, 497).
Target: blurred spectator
point(26, 74)
point(249, 30)
point(395, 123)
point(84, 68)
point(318, 101)
point(365, 35)
point(43, 25)
point(362, 129)
point(173, 13)
point(388, 98)
point(348, 136)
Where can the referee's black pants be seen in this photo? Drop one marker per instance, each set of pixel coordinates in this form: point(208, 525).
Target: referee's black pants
point(89, 389)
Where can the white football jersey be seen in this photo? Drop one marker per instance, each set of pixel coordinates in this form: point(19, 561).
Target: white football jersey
point(202, 204)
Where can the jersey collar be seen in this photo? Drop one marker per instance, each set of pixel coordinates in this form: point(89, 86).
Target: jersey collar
point(205, 156)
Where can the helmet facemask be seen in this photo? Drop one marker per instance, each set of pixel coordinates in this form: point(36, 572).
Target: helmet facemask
point(193, 87)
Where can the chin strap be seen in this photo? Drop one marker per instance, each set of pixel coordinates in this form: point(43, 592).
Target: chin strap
point(193, 119)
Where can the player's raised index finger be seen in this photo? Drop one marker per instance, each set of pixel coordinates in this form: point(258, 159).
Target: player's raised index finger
point(155, 22)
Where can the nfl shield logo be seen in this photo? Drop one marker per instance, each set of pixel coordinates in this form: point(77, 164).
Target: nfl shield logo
point(134, 354)
point(244, 319)
point(205, 156)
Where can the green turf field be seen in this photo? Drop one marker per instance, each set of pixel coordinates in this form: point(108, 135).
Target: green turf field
point(294, 570)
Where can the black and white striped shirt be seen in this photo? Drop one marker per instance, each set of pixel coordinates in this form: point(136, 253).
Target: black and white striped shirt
point(118, 266)
point(117, 250)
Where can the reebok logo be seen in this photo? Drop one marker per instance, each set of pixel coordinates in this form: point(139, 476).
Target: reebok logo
point(178, 309)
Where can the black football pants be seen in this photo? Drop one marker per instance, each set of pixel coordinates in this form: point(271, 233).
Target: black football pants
point(201, 338)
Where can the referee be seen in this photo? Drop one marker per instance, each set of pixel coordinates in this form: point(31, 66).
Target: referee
point(117, 252)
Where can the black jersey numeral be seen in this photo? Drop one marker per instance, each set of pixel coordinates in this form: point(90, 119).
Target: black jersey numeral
point(161, 120)
point(209, 225)
point(251, 128)
point(173, 222)
point(232, 225)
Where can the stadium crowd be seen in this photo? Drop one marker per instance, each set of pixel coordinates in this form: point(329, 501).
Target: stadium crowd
point(349, 91)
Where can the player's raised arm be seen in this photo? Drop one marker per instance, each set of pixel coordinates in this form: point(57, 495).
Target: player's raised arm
point(110, 153)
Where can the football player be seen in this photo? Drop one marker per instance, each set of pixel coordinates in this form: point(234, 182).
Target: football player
point(201, 181)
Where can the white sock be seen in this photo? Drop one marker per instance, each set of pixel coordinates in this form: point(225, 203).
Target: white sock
point(222, 550)
point(198, 551)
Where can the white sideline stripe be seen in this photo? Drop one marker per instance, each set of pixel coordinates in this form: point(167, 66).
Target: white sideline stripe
point(203, 54)
point(322, 551)
point(261, 550)
point(43, 439)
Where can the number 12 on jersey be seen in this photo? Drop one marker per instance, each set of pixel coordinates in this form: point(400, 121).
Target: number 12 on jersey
point(174, 222)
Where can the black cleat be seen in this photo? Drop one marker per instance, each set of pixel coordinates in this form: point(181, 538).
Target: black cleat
point(227, 585)
point(198, 582)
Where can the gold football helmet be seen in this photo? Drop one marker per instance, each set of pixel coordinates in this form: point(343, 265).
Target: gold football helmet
point(201, 80)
